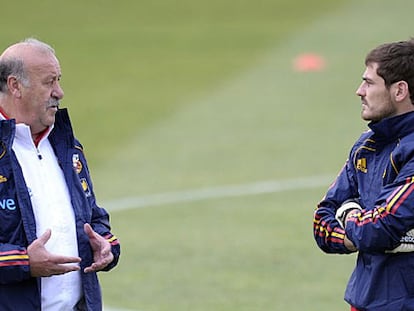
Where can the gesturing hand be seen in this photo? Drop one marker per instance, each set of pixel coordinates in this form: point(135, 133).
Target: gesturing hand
point(43, 263)
point(102, 255)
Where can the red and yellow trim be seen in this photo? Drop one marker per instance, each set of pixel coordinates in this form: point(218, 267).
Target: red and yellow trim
point(14, 258)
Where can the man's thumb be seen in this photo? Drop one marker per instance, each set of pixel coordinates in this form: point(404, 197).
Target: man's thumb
point(45, 236)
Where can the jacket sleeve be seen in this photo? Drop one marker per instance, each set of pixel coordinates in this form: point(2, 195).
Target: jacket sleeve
point(100, 224)
point(14, 264)
point(329, 235)
point(100, 220)
point(380, 228)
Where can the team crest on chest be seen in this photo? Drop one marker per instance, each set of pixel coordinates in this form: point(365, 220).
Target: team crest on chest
point(85, 187)
point(77, 164)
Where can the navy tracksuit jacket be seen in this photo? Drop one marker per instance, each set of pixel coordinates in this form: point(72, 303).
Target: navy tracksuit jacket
point(380, 174)
point(18, 290)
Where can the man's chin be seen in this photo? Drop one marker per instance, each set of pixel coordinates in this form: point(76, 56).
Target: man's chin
point(365, 116)
point(50, 121)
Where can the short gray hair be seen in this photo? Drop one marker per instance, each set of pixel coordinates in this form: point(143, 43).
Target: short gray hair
point(39, 44)
point(13, 66)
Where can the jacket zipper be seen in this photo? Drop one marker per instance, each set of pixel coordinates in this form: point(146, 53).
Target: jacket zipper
point(39, 154)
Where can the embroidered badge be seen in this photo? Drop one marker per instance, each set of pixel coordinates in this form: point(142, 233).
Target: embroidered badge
point(77, 164)
point(362, 165)
point(3, 179)
point(85, 187)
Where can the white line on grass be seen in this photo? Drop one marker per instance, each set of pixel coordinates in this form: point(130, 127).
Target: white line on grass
point(261, 187)
point(116, 309)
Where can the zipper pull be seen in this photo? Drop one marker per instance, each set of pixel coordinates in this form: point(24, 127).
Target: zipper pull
point(38, 154)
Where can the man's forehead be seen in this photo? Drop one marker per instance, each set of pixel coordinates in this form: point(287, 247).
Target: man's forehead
point(371, 71)
point(33, 57)
point(43, 65)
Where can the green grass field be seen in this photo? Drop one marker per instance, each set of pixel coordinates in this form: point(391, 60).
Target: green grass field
point(188, 110)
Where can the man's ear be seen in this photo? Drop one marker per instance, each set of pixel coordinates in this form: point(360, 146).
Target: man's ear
point(401, 91)
point(14, 86)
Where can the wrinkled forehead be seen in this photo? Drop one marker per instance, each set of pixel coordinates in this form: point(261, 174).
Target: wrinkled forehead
point(42, 63)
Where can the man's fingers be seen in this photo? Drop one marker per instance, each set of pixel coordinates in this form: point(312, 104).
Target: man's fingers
point(91, 268)
point(101, 248)
point(64, 264)
point(61, 269)
point(100, 264)
point(65, 259)
point(53, 265)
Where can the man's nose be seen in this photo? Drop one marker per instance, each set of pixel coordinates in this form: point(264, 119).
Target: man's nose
point(58, 91)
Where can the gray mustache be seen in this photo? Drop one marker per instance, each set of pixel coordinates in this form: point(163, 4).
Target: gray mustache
point(53, 102)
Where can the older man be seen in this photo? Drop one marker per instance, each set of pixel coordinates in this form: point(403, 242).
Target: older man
point(53, 236)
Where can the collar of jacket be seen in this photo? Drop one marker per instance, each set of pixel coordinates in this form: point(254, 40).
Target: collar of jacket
point(62, 128)
point(393, 128)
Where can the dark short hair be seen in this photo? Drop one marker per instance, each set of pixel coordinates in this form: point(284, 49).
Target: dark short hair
point(395, 63)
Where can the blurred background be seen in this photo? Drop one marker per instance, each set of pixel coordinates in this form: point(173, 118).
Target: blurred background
point(212, 129)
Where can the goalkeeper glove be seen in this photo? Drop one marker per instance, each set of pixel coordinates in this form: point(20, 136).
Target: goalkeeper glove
point(343, 211)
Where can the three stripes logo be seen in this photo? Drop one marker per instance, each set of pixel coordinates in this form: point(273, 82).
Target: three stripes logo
point(362, 165)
